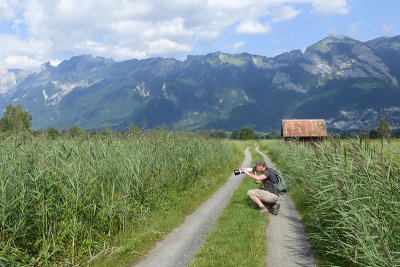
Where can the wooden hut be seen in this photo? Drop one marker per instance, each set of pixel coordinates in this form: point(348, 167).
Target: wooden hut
point(304, 130)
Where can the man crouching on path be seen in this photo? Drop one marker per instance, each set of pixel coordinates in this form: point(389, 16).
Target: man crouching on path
point(268, 195)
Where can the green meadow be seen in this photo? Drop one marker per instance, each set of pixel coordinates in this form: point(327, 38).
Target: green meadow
point(106, 200)
point(74, 201)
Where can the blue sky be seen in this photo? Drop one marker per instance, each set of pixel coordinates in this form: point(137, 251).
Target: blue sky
point(36, 31)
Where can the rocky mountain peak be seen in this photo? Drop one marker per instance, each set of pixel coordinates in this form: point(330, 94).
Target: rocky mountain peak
point(7, 80)
point(385, 43)
point(337, 36)
point(10, 78)
point(335, 79)
point(79, 67)
point(46, 67)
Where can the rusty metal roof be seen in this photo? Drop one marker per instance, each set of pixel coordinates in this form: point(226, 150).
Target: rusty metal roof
point(303, 128)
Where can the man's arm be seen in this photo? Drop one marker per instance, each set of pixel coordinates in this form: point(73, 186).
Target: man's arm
point(257, 178)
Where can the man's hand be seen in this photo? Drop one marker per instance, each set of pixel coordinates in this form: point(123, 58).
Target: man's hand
point(257, 178)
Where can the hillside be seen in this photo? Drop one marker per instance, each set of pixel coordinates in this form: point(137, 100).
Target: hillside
point(350, 84)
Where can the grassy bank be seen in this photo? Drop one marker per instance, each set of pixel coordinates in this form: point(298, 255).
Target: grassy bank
point(239, 237)
point(349, 197)
point(70, 202)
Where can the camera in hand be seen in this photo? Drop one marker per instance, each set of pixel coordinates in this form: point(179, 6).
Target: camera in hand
point(240, 171)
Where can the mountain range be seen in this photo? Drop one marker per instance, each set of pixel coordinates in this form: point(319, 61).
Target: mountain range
point(349, 83)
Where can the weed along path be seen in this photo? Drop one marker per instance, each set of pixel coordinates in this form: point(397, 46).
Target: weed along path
point(180, 246)
point(287, 241)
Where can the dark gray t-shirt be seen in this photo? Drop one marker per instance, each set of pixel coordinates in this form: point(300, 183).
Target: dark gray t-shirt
point(270, 181)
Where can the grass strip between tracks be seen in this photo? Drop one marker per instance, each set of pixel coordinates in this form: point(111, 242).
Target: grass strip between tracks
point(238, 238)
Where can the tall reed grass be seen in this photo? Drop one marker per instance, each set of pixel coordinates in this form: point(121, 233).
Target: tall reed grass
point(349, 196)
point(62, 201)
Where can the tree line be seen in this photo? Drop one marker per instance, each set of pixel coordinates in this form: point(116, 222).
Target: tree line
point(383, 132)
point(15, 120)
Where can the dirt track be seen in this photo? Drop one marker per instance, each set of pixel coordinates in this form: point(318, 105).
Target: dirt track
point(179, 247)
point(287, 242)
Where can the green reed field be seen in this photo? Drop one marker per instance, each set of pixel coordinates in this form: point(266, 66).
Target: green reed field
point(349, 197)
point(66, 201)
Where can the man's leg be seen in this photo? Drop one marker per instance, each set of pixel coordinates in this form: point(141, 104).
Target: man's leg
point(257, 201)
point(271, 199)
point(253, 195)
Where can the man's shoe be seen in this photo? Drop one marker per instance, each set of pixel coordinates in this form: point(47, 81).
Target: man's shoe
point(268, 205)
point(275, 208)
point(264, 210)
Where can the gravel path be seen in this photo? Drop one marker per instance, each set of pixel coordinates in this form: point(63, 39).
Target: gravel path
point(179, 247)
point(287, 242)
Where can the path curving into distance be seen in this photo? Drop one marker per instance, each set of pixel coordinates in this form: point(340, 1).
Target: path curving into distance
point(179, 247)
point(287, 242)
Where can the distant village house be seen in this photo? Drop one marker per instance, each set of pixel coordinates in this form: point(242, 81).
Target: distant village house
point(304, 130)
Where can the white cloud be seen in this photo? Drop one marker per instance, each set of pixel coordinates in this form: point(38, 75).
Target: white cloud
point(119, 52)
point(21, 62)
point(55, 63)
point(387, 30)
point(165, 47)
point(132, 26)
point(30, 53)
point(52, 30)
point(238, 45)
point(231, 4)
point(354, 28)
point(330, 7)
point(252, 27)
point(283, 13)
point(90, 46)
point(7, 11)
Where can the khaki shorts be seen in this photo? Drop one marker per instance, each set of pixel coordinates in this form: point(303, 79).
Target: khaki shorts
point(263, 195)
